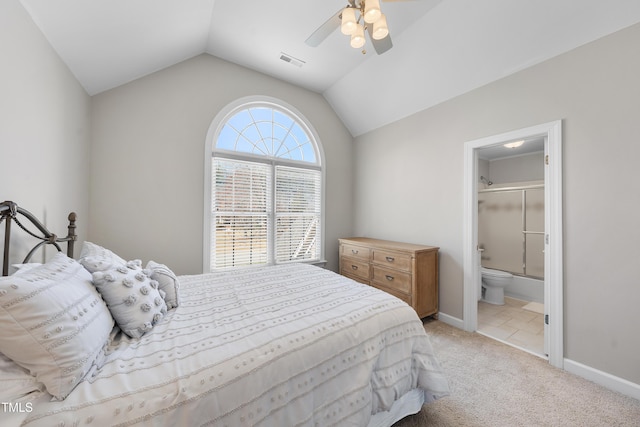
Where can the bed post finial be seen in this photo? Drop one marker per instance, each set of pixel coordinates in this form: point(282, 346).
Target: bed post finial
point(8, 209)
point(72, 233)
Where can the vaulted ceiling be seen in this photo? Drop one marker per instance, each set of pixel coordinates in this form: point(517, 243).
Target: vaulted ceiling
point(442, 48)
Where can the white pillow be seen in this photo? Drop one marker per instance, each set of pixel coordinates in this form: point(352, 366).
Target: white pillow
point(96, 258)
point(54, 323)
point(132, 297)
point(167, 281)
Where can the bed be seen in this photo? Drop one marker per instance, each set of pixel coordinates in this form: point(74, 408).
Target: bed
point(285, 345)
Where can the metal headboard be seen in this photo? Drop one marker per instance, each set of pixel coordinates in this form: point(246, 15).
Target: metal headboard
point(11, 212)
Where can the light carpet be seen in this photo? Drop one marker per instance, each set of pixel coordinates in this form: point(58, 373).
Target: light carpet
point(493, 384)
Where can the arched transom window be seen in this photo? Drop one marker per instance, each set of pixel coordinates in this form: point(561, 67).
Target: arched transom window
point(266, 189)
point(268, 132)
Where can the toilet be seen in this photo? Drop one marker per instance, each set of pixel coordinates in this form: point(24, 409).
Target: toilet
point(493, 284)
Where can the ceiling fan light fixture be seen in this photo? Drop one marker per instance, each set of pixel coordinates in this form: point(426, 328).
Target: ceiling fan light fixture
point(371, 11)
point(380, 28)
point(349, 23)
point(357, 38)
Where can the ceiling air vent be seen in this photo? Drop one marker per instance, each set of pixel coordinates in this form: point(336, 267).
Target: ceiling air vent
point(291, 60)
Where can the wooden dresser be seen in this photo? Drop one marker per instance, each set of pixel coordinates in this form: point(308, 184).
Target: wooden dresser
point(407, 271)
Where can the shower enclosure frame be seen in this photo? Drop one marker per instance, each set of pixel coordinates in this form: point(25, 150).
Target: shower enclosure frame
point(553, 269)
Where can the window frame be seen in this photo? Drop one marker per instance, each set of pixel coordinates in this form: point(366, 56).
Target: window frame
point(216, 127)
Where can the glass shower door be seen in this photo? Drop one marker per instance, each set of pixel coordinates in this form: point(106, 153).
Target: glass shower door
point(500, 230)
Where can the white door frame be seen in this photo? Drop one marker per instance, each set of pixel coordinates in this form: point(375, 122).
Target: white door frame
point(553, 274)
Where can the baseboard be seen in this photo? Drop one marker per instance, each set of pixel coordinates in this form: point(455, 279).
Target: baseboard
point(450, 320)
point(602, 378)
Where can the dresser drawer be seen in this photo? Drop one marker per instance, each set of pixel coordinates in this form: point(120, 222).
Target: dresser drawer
point(354, 268)
point(392, 279)
point(392, 259)
point(354, 251)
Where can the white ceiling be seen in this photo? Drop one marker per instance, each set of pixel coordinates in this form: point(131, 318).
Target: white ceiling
point(442, 48)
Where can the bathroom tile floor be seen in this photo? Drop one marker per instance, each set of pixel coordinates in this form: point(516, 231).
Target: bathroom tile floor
point(512, 324)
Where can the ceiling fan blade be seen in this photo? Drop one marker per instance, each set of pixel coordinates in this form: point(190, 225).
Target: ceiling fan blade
point(382, 45)
point(324, 30)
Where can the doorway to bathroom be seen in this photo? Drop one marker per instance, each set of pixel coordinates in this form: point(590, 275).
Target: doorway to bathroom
point(513, 227)
point(511, 243)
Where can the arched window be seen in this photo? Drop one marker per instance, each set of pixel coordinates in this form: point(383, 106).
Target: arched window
point(266, 188)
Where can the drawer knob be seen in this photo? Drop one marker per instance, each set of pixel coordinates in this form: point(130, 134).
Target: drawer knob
point(355, 267)
point(390, 259)
point(353, 251)
point(389, 278)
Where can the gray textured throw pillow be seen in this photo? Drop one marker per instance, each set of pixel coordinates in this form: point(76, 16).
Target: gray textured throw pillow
point(167, 281)
point(132, 297)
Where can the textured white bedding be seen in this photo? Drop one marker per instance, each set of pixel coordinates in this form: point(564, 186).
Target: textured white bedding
point(275, 346)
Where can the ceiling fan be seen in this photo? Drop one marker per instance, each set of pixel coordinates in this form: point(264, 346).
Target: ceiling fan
point(354, 19)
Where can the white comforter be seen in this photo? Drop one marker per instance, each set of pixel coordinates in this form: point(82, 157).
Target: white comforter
point(274, 346)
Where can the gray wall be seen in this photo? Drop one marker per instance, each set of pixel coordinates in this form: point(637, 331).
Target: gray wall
point(412, 189)
point(148, 142)
point(44, 126)
point(527, 167)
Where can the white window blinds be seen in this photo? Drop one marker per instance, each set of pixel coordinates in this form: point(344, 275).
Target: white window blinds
point(298, 210)
point(247, 225)
point(241, 206)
